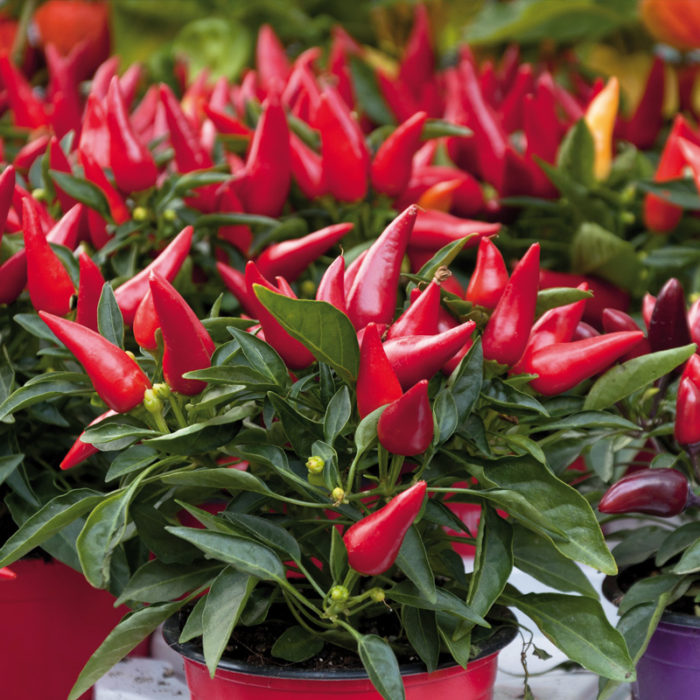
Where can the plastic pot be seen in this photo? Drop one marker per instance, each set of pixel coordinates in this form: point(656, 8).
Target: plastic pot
point(670, 666)
point(235, 680)
point(51, 621)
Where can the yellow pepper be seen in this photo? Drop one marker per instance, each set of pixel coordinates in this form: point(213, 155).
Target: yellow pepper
point(600, 118)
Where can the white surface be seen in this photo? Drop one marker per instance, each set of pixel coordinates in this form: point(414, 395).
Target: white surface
point(162, 676)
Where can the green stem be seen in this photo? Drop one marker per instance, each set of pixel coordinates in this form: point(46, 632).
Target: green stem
point(177, 410)
point(310, 578)
point(18, 44)
point(396, 464)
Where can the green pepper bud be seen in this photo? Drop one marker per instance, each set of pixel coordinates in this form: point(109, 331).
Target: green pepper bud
point(339, 594)
point(315, 464)
point(140, 214)
point(377, 595)
point(151, 402)
point(337, 494)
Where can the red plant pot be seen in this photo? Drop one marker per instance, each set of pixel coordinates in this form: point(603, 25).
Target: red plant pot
point(239, 681)
point(51, 621)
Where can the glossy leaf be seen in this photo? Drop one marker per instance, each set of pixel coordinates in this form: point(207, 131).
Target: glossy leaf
point(381, 665)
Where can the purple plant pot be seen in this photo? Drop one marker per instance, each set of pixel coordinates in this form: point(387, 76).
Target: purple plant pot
point(670, 667)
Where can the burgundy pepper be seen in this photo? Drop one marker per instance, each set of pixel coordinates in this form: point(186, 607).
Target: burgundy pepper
point(668, 325)
point(662, 492)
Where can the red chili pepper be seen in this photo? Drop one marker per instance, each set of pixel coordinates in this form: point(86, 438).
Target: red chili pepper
point(114, 374)
point(659, 215)
point(557, 325)
point(89, 291)
point(615, 320)
point(406, 425)
point(94, 136)
point(605, 294)
point(307, 168)
point(668, 325)
point(129, 82)
point(416, 357)
point(59, 162)
point(144, 114)
point(489, 278)
point(270, 58)
point(377, 383)
point(13, 277)
point(687, 426)
point(506, 333)
point(238, 235)
point(290, 258)
point(132, 163)
point(691, 153)
point(63, 92)
point(373, 543)
point(421, 317)
point(648, 304)
point(6, 574)
point(435, 229)
point(391, 167)
point(96, 174)
point(585, 330)
point(694, 322)
point(7, 190)
point(189, 152)
point(265, 187)
point(50, 285)
point(188, 346)
point(103, 77)
point(662, 492)
point(26, 108)
point(30, 152)
point(338, 66)
point(397, 95)
point(225, 123)
point(331, 288)
point(344, 153)
point(372, 296)
point(644, 125)
point(511, 109)
point(295, 355)
point(418, 62)
point(235, 281)
point(167, 264)
point(80, 451)
point(562, 366)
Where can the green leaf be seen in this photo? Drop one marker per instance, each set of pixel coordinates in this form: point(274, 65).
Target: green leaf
point(422, 633)
point(338, 413)
point(650, 589)
point(8, 464)
point(460, 647)
point(412, 559)
point(109, 317)
point(193, 625)
point(235, 375)
point(296, 644)
point(7, 372)
point(234, 219)
point(130, 460)
point(622, 380)
point(381, 665)
point(537, 557)
point(104, 530)
point(44, 387)
point(591, 419)
point(198, 178)
point(244, 555)
point(677, 541)
point(443, 258)
point(203, 437)
point(46, 522)
point(324, 330)
point(134, 628)
point(530, 493)
point(466, 381)
point(262, 357)
point(106, 432)
point(83, 191)
point(506, 395)
point(598, 251)
point(369, 97)
point(436, 128)
point(576, 154)
point(301, 431)
point(224, 604)
point(266, 532)
point(339, 556)
point(222, 478)
point(446, 414)
point(558, 296)
point(493, 561)
point(34, 325)
point(690, 560)
point(682, 192)
point(157, 582)
point(578, 626)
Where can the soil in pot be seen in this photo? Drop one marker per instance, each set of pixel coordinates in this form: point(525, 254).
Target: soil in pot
point(249, 671)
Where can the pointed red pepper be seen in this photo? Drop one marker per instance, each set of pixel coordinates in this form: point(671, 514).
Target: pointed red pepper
point(167, 264)
point(290, 258)
point(270, 58)
point(265, 187)
point(687, 426)
point(89, 291)
point(511, 109)
point(96, 174)
point(146, 323)
point(372, 296)
point(435, 229)
point(406, 425)
point(644, 125)
point(80, 451)
point(694, 322)
point(397, 95)
point(30, 152)
point(63, 92)
point(235, 281)
point(662, 492)
point(238, 235)
point(115, 375)
point(615, 320)
point(421, 317)
point(13, 277)
point(392, 164)
point(508, 329)
point(294, 353)
point(668, 325)
point(50, 285)
point(7, 190)
point(377, 384)
point(188, 346)
point(331, 288)
point(26, 108)
point(416, 357)
point(562, 366)
point(373, 543)
point(94, 137)
point(132, 163)
point(418, 62)
point(489, 278)
point(307, 168)
point(343, 150)
point(59, 162)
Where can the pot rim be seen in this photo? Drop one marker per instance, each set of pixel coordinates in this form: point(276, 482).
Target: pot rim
point(613, 592)
point(171, 631)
